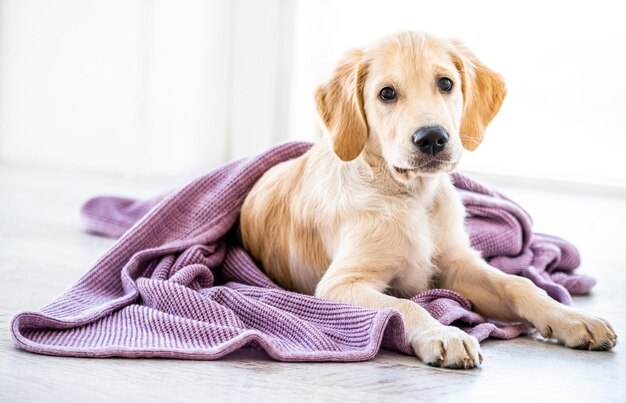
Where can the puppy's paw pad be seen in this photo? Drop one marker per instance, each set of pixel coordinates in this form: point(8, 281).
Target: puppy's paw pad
point(448, 347)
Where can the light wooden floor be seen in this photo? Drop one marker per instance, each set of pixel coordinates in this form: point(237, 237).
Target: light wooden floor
point(42, 252)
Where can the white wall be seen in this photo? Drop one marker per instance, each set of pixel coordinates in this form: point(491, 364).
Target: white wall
point(72, 83)
point(186, 75)
point(140, 87)
point(261, 47)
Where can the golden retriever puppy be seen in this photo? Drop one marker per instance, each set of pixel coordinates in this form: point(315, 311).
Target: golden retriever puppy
point(369, 215)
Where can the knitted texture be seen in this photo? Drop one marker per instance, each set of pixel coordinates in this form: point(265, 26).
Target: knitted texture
point(177, 283)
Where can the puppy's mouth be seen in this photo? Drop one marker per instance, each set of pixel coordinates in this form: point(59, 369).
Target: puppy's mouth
point(403, 171)
point(426, 167)
point(430, 167)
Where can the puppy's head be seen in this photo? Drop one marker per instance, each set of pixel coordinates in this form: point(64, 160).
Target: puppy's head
point(413, 100)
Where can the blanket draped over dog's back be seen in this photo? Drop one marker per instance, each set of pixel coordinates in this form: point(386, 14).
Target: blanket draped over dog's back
point(177, 283)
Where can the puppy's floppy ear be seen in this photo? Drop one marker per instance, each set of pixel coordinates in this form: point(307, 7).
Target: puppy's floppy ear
point(483, 93)
point(340, 105)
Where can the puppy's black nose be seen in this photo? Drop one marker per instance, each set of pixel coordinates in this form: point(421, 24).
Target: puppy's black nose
point(430, 139)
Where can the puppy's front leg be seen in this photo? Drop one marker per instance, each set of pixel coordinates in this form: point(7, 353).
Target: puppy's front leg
point(511, 298)
point(432, 342)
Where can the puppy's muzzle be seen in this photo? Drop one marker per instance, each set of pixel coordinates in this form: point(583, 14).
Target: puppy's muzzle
point(430, 139)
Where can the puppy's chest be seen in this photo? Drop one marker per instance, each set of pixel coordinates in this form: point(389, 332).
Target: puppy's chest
point(410, 226)
point(403, 230)
point(417, 229)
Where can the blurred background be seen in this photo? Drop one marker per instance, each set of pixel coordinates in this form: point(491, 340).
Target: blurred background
point(153, 88)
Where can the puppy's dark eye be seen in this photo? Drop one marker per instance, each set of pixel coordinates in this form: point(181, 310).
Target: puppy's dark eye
point(387, 94)
point(445, 84)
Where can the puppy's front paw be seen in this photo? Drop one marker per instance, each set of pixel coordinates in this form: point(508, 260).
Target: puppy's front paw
point(447, 346)
point(579, 330)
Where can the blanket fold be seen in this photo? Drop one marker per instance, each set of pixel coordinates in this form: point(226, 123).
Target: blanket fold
point(177, 284)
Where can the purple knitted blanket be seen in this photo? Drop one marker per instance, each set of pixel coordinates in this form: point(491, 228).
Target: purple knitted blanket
point(177, 284)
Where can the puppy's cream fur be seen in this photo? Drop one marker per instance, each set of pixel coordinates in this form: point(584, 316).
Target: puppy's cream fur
point(365, 218)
